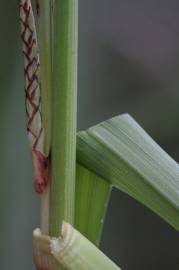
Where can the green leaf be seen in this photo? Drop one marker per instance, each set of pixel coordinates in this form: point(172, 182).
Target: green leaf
point(121, 152)
point(92, 196)
point(75, 252)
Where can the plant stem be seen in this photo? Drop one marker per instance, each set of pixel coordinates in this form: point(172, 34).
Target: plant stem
point(45, 75)
point(64, 96)
point(46, 68)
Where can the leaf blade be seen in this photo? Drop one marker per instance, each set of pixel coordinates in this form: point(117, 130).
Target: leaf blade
point(92, 196)
point(121, 152)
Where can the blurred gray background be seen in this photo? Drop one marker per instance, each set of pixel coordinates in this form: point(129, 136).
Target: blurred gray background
point(128, 62)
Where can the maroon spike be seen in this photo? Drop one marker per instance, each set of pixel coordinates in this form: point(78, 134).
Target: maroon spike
point(32, 95)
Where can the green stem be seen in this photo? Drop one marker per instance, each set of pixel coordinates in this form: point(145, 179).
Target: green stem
point(64, 82)
point(46, 68)
point(45, 75)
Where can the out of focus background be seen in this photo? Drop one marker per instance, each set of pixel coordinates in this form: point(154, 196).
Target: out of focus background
point(128, 62)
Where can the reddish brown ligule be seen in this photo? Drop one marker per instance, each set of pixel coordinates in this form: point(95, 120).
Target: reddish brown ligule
point(41, 167)
point(32, 94)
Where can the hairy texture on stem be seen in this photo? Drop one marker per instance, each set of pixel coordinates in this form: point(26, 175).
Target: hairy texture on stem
point(32, 94)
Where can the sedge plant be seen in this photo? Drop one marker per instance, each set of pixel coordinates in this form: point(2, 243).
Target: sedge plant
point(75, 172)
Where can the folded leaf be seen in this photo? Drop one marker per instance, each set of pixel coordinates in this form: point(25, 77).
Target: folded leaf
point(92, 196)
point(121, 152)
